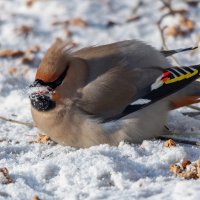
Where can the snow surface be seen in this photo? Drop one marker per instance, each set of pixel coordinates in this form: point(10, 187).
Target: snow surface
point(100, 172)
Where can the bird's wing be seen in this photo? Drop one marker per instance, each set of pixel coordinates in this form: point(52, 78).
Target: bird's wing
point(121, 91)
point(108, 94)
point(167, 53)
point(171, 80)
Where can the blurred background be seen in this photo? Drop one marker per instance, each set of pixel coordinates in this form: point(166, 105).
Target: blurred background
point(26, 24)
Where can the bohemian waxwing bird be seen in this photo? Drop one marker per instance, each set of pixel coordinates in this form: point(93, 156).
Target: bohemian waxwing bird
point(108, 93)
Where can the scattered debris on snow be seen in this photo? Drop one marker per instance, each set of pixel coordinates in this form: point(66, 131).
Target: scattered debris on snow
point(170, 143)
point(4, 176)
point(186, 169)
point(129, 171)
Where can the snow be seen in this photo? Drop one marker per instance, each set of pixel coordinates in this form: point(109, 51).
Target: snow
point(52, 171)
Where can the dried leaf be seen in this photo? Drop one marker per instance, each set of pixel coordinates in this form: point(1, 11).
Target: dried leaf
point(11, 53)
point(29, 3)
point(198, 168)
point(35, 198)
point(4, 176)
point(188, 175)
point(34, 49)
point(187, 24)
point(173, 31)
point(40, 138)
point(175, 169)
point(185, 163)
point(27, 59)
point(169, 143)
point(187, 169)
point(29, 54)
point(78, 22)
point(12, 70)
point(24, 30)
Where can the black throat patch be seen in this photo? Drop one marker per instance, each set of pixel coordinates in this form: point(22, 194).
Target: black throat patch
point(42, 102)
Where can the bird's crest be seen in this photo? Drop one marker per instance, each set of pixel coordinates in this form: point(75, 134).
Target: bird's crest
point(54, 62)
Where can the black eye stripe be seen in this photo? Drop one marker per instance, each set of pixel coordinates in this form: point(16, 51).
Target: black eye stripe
point(53, 84)
point(58, 81)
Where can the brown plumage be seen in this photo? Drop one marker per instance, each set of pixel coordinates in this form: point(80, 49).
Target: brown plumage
point(80, 91)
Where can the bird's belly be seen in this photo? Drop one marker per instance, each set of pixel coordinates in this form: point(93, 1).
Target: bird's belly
point(148, 123)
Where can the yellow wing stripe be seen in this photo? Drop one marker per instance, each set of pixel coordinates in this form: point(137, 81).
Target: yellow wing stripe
point(181, 77)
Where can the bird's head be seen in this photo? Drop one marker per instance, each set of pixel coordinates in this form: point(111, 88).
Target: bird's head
point(57, 77)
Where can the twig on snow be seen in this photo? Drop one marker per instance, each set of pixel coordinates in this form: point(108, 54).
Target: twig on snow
point(31, 125)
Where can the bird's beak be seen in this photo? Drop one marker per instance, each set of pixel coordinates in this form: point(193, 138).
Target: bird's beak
point(40, 87)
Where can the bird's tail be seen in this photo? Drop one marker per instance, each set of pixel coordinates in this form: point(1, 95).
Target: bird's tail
point(172, 52)
point(190, 95)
